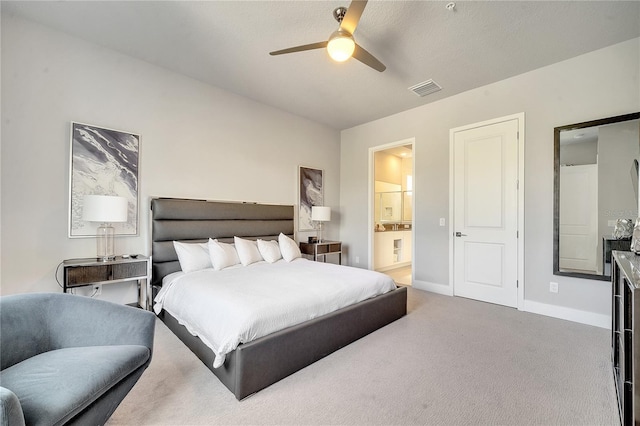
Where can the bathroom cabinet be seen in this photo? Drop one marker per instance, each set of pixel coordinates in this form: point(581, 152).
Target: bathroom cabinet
point(392, 249)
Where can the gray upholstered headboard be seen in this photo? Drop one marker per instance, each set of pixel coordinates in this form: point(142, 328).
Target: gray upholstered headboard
point(198, 220)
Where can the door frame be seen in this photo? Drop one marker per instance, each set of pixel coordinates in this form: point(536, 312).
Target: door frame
point(521, 185)
point(371, 195)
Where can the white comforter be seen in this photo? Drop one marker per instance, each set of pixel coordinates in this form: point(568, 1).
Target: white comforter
point(242, 303)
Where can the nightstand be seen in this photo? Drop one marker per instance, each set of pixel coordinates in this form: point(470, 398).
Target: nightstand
point(85, 272)
point(322, 248)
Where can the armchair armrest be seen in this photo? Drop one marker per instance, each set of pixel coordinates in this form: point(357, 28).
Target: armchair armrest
point(10, 409)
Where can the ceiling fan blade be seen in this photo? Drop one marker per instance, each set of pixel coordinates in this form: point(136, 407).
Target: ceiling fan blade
point(352, 17)
point(368, 59)
point(302, 48)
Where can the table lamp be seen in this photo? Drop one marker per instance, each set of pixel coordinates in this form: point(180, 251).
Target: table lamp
point(105, 209)
point(320, 214)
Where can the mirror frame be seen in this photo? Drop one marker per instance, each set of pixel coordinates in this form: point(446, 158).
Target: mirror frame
point(556, 190)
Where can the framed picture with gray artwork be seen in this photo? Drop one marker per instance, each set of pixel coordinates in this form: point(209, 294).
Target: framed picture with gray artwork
point(311, 187)
point(103, 162)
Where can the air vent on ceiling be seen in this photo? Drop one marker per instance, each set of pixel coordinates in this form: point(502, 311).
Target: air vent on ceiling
point(425, 88)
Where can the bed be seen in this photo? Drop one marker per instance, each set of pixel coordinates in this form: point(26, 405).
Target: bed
point(254, 365)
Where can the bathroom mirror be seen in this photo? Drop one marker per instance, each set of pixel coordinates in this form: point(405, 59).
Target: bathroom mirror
point(596, 183)
point(392, 204)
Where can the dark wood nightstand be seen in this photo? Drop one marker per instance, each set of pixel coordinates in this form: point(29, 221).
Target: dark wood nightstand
point(91, 271)
point(322, 248)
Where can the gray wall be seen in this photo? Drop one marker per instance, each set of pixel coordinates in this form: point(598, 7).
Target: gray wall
point(618, 147)
point(577, 154)
point(600, 84)
point(196, 141)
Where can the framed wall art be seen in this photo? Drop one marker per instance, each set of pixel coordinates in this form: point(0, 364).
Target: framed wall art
point(310, 185)
point(103, 162)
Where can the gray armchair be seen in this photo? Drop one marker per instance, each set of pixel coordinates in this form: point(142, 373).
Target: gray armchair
point(68, 359)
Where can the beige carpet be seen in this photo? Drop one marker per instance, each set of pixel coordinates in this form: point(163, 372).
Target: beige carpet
point(450, 361)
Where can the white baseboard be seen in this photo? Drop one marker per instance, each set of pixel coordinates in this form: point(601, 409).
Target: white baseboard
point(569, 314)
point(432, 287)
point(554, 311)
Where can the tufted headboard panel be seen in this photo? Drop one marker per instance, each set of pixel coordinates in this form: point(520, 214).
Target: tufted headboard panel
point(198, 220)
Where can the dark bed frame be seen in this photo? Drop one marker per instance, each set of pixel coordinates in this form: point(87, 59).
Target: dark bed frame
point(255, 365)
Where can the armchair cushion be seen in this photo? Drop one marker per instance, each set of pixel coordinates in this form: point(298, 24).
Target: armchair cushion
point(55, 386)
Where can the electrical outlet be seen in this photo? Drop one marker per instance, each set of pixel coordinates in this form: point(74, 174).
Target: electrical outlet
point(553, 287)
point(357, 259)
point(442, 222)
point(97, 290)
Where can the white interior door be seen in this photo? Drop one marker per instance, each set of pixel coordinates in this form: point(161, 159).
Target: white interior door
point(578, 227)
point(486, 213)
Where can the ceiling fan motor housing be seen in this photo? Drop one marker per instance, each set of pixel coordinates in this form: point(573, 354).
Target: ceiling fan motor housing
point(339, 13)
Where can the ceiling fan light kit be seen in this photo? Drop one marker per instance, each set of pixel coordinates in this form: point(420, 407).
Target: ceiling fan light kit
point(341, 44)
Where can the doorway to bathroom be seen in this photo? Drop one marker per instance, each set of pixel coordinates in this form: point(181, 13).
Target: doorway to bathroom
point(392, 209)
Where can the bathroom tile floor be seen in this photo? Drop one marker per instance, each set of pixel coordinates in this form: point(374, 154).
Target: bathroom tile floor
point(402, 276)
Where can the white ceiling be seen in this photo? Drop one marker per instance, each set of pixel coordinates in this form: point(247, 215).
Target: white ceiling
point(404, 151)
point(226, 44)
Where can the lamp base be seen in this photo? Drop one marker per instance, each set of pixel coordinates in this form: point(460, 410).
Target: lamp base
point(106, 258)
point(105, 242)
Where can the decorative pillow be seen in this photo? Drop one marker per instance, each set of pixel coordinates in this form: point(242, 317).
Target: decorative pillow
point(192, 256)
point(222, 255)
point(247, 251)
point(288, 248)
point(270, 250)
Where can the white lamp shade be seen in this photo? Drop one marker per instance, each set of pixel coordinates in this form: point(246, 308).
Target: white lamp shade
point(104, 208)
point(321, 213)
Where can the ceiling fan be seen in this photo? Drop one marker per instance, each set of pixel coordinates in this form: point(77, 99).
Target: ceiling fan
point(341, 45)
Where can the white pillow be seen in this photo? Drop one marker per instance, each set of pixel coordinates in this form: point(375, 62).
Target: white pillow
point(222, 255)
point(288, 248)
point(247, 251)
point(270, 250)
point(192, 256)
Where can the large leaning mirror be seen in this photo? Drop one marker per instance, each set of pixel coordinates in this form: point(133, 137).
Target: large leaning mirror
point(596, 184)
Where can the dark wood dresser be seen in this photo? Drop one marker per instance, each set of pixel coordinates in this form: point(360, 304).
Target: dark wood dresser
point(625, 345)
